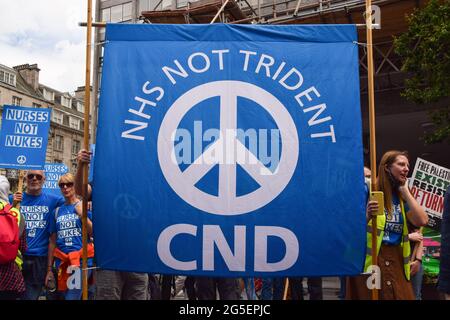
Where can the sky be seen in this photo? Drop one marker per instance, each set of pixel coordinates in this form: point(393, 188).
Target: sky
point(46, 32)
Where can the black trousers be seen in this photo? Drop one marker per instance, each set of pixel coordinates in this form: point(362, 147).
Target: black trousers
point(208, 286)
point(314, 288)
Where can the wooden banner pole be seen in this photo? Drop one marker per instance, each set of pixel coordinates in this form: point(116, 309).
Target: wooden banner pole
point(20, 185)
point(87, 100)
point(286, 289)
point(373, 155)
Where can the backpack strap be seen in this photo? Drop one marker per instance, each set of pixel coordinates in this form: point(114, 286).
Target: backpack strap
point(9, 209)
point(6, 207)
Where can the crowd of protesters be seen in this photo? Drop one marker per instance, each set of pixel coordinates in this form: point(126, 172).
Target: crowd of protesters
point(49, 230)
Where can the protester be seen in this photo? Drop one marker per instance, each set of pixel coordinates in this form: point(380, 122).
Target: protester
point(367, 174)
point(444, 272)
point(110, 284)
point(167, 282)
point(189, 285)
point(179, 286)
point(208, 287)
point(393, 247)
point(4, 189)
point(272, 288)
point(154, 290)
point(12, 284)
point(314, 288)
point(248, 287)
point(367, 183)
point(69, 241)
point(416, 242)
point(38, 208)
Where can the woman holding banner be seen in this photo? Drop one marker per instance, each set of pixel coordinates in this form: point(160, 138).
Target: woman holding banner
point(68, 251)
point(393, 248)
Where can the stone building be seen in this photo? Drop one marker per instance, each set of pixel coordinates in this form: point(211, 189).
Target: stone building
point(20, 86)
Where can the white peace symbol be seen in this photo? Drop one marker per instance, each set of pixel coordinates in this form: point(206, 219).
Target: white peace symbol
point(226, 203)
point(21, 159)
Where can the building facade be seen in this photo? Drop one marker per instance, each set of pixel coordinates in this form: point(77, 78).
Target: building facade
point(20, 86)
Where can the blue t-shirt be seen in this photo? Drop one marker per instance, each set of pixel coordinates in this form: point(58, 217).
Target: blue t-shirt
point(68, 227)
point(40, 220)
point(393, 230)
point(69, 230)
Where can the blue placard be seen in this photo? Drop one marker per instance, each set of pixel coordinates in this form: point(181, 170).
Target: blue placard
point(54, 171)
point(230, 150)
point(23, 138)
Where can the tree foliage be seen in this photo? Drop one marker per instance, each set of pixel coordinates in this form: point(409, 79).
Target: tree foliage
point(425, 50)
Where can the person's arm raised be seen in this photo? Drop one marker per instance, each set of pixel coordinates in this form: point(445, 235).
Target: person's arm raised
point(83, 158)
point(416, 215)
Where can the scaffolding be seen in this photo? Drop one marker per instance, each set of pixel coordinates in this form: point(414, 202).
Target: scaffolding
point(387, 64)
point(388, 75)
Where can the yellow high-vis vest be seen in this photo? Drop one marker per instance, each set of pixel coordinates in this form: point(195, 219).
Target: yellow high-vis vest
point(406, 248)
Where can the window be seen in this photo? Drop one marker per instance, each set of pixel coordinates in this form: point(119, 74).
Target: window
point(57, 117)
point(74, 123)
point(182, 3)
point(8, 77)
point(66, 102)
point(80, 106)
point(143, 6)
point(57, 161)
point(116, 13)
point(126, 12)
point(76, 146)
point(49, 95)
point(154, 5)
point(16, 101)
point(119, 13)
point(59, 143)
point(36, 105)
point(167, 4)
point(106, 15)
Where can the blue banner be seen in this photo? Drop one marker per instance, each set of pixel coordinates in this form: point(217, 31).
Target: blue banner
point(54, 171)
point(23, 138)
point(230, 150)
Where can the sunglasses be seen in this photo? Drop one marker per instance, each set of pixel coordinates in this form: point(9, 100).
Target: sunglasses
point(64, 185)
point(31, 176)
